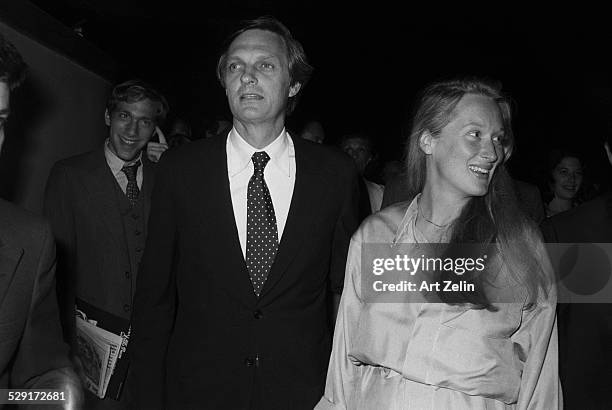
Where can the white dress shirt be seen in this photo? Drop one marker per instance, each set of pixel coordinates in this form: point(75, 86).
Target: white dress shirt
point(115, 164)
point(279, 175)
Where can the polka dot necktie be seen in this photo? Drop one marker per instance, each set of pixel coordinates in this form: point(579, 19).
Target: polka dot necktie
point(262, 236)
point(131, 191)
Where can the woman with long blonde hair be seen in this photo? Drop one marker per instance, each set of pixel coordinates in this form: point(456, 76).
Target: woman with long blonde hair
point(493, 347)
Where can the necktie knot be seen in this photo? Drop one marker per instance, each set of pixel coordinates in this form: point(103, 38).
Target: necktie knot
point(260, 159)
point(130, 171)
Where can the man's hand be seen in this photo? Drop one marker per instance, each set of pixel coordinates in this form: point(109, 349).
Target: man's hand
point(156, 149)
point(62, 379)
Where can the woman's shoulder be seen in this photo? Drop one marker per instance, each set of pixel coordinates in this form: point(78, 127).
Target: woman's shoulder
point(382, 226)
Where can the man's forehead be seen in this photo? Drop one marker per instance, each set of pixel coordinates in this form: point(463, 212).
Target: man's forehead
point(145, 106)
point(263, 41)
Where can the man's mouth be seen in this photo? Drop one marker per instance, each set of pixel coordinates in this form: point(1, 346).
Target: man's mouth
point(128, 141)
point(480, 172)
point(251, 97)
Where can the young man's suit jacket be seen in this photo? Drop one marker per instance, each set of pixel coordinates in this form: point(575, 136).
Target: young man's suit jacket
point(201, 338)
point(81, 202)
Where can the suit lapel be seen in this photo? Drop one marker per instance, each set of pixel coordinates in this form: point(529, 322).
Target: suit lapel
point(218, 202)
point(308, 181)
point(9, 260)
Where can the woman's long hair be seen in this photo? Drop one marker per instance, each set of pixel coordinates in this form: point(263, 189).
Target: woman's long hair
point(494, 221)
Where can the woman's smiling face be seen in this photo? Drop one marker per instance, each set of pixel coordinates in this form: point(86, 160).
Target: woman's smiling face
point(469, 148)
point(567, 178)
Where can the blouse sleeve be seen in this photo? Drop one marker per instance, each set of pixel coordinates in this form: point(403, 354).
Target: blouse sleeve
point(538, 350)
point(343, 372)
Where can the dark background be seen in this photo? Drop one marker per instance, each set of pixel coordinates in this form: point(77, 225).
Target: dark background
point(370, 59)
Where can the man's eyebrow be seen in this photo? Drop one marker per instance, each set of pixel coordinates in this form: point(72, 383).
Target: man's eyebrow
point(5, 111)
point(473, 123)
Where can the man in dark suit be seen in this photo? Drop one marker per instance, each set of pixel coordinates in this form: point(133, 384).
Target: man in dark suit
point(585, 329)
point(248, 232)
point(32, 353)
point(98, 204)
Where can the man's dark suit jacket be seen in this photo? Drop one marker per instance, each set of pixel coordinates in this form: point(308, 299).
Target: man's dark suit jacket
point(585, 330)
point(31, 345)
point(200, 336)
point(93, 261)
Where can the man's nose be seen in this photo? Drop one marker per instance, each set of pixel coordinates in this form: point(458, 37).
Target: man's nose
point(132, 127)
point(248, 76)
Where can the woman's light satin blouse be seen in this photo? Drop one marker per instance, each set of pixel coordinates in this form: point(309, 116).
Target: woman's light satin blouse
point(433, 355)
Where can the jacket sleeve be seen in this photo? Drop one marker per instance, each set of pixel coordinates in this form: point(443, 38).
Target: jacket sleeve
point(154, 301)
point(42, 357)
point(346, 225)
point(343, 374)
point(58, 210)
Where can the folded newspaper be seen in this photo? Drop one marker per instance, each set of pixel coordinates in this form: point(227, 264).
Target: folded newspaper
point(99, 351)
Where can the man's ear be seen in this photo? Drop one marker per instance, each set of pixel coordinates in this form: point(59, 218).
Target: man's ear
point(107, 118)
point(427, 142)
point(294, 89)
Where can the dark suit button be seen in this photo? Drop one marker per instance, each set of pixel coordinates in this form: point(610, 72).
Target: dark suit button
point(138, 249)
point(135, 216)
point(137, 232)
point(258, 314)
point(126, 307)
point(127, 275)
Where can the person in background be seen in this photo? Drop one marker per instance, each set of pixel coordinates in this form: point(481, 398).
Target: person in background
point(313, 131)
point(565, 177)
point(217, 127)
point(32, 352)
point(179, 134)
point(585, 329)
point(490, 347)
point(360, 148)
point(249, 233)
point(98, 204)
point(391, 169)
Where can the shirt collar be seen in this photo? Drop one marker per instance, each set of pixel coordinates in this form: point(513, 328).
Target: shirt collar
point(405, 230)
point(240, 153)
point(114, 162)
